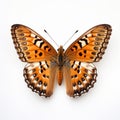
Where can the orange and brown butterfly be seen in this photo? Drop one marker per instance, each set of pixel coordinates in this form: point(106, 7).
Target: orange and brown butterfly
point(75, 65)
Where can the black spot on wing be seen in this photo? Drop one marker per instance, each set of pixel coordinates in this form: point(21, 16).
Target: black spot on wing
point(36, 51)
point(45, 47)
point(75, 47)
point(80, 44)
point(40, 54)
point(41, 44)
point(80, 54)
point(86, 41)
point(37, 41)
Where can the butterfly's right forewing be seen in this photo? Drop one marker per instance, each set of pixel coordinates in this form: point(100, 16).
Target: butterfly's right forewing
point(90, 46)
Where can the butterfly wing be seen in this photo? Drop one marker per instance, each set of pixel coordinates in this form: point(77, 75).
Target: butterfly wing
point(80, 74)
point(40, 77)
point(30, 46)
point(91, 45)
point(80, 77)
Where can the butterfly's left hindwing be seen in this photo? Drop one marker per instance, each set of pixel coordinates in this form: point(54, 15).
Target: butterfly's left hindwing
point(30, 46)
point(40, 77)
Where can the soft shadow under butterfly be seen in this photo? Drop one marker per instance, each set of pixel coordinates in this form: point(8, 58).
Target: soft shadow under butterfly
point(74, 65)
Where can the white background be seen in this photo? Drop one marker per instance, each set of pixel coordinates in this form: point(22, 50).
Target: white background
point(61, 18)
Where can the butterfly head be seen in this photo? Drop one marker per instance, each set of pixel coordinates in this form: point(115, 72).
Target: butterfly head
point(60, 49)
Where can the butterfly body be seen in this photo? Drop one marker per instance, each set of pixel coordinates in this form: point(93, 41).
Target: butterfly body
point(60, 57)
point(74, 65)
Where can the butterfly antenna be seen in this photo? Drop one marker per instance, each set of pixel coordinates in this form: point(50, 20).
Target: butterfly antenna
point(50, 37)
point(70, 37)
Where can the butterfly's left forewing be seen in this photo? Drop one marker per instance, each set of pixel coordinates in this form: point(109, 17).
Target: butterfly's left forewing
point(30, 46)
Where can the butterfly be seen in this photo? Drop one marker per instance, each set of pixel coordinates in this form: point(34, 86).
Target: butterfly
point(75, 65)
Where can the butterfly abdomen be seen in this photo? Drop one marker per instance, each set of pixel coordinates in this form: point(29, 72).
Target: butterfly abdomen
point(60, 62)
point(59, 76)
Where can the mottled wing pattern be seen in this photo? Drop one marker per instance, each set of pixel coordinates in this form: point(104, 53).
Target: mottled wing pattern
point(80, 74)
point(91, 45)
point(80, 77)
point(30, 46)
point(40, 77)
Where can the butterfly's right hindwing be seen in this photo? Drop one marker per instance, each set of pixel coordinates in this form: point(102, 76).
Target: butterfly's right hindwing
point(79, 77)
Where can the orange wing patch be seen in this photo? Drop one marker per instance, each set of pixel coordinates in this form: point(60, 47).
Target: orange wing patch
point(91, 45)
point(30, 46)
point(39, 77)
point(81, 78)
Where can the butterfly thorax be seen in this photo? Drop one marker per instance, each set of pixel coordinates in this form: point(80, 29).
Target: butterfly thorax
point(60, 62)
point(60, 57)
